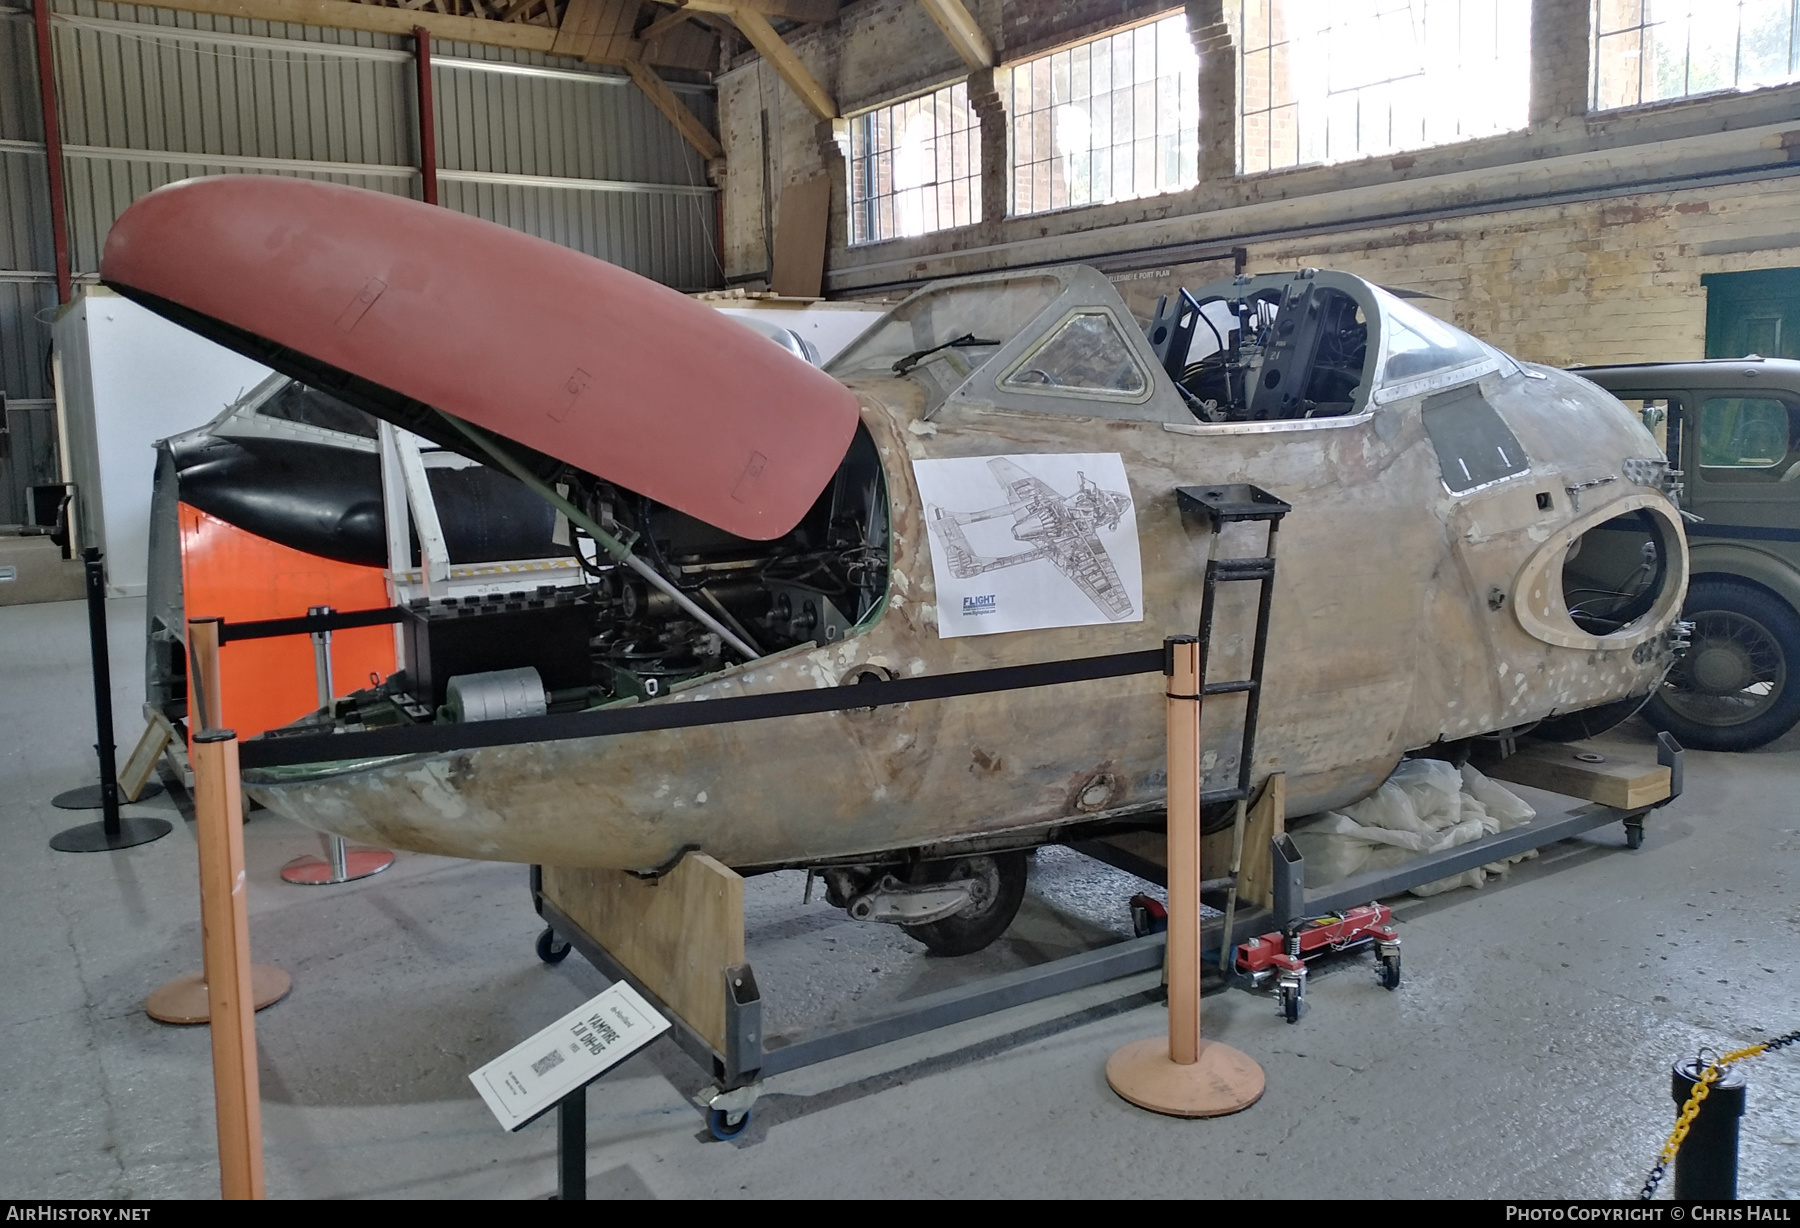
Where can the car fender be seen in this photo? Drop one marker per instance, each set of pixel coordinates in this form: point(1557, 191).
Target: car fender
point(1737, 561)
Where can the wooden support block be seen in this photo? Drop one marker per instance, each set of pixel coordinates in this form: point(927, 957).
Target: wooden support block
point(1267, 819)
point(1622, 783)
point(677, 934)
point(157, 736)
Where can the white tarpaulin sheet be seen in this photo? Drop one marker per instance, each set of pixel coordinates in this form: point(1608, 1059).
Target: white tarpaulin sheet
point(1023, 542)
point(1426, 806)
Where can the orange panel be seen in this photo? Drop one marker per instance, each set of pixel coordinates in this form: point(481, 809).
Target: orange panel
point(238, 576)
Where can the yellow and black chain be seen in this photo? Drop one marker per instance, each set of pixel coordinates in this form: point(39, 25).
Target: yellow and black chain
point(1715, 1070)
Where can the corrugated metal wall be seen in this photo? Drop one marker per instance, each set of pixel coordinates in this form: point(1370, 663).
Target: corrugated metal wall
point(149, 96)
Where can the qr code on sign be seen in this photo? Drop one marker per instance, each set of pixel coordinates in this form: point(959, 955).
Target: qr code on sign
point(550, 1061)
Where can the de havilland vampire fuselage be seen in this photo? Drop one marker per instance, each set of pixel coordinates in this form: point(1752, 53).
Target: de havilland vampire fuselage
point(987, 477)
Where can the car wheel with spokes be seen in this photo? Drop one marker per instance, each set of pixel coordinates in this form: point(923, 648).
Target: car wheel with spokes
point(1735, 687)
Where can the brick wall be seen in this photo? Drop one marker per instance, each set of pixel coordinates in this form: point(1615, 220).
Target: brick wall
point(1613, 277)
point(1598, 281)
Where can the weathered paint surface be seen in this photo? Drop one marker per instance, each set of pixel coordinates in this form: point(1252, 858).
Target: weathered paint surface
point(1383, 640)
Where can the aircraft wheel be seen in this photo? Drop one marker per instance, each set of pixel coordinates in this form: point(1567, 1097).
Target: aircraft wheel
point(1736, 687)
point(998, 895)
point(549, 949)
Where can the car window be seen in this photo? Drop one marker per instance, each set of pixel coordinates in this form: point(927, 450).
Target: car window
point(1747, 438)
point(1654, 411)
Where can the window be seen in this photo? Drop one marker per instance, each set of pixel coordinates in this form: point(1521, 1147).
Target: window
point(1651, 50)
point(915, 167)
point(1112, 119)
point(1322, 82)
point(1085, 356)
point(295, 402)
point(1747, 433)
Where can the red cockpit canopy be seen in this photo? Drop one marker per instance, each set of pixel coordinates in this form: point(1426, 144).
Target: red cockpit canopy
point(571, 356)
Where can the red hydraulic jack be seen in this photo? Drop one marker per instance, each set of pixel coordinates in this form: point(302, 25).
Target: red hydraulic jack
point(1282, 956)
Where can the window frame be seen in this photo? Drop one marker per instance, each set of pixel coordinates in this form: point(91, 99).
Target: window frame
point(1163, 145)
point(1644, 25)
point(866, 209)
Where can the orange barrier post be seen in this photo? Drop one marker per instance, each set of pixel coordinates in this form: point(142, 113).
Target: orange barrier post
point(187, 999)
point(1184, 1075)
point(225, 930)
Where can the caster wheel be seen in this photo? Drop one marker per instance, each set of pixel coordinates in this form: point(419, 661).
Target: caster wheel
point(549, 949)
point(723, 1129)
point(1634, 835)
point(1390, 972)
point(1293, 1005)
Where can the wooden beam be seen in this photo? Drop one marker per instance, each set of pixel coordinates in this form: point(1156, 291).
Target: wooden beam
point(678, 934)
point(784, 10)
point(1610, 779)
point(598, 31)
point(664, 99)
point(662, 25)
point(342, 15)
point(762, 36)
point(966, 37)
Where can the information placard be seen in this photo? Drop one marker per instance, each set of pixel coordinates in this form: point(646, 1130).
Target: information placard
point(591, 1039)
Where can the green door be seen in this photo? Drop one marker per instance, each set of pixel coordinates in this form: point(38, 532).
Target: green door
point(1753, 313)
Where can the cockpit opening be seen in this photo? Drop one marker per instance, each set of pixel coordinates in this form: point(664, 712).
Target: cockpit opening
point(1294, 351)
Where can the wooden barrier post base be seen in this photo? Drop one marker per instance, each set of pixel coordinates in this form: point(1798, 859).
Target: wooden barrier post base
point(1223, 1080)
point(1182, 1073)
point(184, 1000)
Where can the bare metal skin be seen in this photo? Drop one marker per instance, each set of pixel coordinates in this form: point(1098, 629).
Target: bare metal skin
point(1404, 615)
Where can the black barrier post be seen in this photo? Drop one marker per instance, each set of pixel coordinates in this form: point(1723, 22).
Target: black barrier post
point(1706, 1167)
point(571, 1146)
point(112, 832)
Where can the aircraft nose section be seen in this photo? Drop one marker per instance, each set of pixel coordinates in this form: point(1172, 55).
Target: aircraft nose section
point(386, 300)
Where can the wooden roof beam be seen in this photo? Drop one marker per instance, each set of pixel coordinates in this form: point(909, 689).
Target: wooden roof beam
point(965, 35)
point(668, 21)
point(342, 15)
point(780, 10)
point(674, 110)
point(762, 36)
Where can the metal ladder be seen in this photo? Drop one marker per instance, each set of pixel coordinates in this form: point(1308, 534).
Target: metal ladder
point(1235, 503)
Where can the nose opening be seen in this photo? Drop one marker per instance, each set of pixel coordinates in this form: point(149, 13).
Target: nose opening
point(1615, 572)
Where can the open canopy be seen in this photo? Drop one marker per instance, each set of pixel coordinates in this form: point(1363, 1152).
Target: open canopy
point(568, 355)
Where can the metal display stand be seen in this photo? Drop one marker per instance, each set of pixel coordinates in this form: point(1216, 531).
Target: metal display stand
point(341, 863)
point(114, 831)
point(747, 1058)
point(190, 999)
point(722, 1027)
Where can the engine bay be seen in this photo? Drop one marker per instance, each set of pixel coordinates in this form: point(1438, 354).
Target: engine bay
point(617, 637)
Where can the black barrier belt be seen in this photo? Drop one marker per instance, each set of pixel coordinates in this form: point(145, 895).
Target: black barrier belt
point(427, 739)
point(270, 628)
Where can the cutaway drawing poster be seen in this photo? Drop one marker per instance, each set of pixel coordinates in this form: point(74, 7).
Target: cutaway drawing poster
point(1022, 542)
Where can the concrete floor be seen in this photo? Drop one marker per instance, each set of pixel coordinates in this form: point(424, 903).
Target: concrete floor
point(1526, 1056)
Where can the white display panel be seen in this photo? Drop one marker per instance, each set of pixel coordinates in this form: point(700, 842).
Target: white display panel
point(1030, 541)
point(128, 378)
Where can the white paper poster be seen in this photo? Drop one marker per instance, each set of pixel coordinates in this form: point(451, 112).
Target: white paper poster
point(594, 1037)
point(1022, 542)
